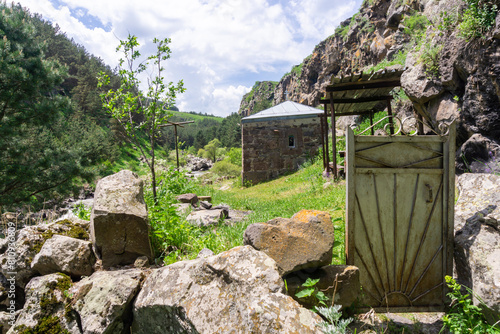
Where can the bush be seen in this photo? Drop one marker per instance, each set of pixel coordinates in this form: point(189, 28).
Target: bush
point(464, 316)
point(429, 58)
point(478, 18)
point(226, 168)
point(234, 156)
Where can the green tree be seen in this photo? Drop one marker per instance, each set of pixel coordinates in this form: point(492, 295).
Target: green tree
point(140, 114)
point(211, 149)
point(44, 145)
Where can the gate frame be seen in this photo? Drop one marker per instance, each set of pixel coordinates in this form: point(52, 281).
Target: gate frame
point(448, 168)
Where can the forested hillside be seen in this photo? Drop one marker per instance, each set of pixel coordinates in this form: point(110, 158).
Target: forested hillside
point(204, 129)
point(55, 135)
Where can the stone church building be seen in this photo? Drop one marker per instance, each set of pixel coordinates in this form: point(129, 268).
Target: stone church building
point(278, 140)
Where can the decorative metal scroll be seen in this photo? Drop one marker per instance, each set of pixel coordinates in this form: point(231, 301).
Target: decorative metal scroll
point(409, 126)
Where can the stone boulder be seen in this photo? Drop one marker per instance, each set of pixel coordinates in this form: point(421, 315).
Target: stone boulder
point(70, 256)
point(477, 239)
point(45, 307)
point(206, 217)
point(188, 198)
point(304, 241)
point(104, 300)
point(30, 240)
point(474, 151)
point(339, 283)
point(238, 291)
point(119, 221)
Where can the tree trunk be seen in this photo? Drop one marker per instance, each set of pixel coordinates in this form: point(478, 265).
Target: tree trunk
point(153, 174)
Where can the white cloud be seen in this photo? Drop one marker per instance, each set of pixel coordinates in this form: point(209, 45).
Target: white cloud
point(219, 47)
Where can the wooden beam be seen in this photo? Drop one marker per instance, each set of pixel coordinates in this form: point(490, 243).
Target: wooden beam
point(334, 139)
point(389, 112)
point(359, 85)
point(358, 100)
point(175, 125)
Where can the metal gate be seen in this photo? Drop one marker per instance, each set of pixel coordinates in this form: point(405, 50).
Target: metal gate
point(400, 199)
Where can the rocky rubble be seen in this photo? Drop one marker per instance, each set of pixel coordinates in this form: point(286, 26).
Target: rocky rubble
point(240, 290)
point(197, 164)
point(203, 213)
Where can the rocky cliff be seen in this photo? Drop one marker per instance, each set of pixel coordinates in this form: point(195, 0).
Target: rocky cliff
point(259, 98)
point(450, 50)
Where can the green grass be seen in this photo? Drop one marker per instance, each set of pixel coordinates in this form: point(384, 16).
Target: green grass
point(129, 158)
point(186, 116)
point(175, 240)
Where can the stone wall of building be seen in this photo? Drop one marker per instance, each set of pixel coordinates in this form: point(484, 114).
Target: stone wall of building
point(273, 148)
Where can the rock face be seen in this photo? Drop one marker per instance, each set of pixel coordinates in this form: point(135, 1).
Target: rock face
point(477, 239)
point(304, 241)
point(259, 98)
point(64, 254)
point(104, 300)
point(238, 291)
point(119, 226)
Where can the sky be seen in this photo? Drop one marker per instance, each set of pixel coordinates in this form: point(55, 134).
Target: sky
point(220, 48)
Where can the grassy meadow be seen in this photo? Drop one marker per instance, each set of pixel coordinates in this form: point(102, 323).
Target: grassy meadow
point(176, 240)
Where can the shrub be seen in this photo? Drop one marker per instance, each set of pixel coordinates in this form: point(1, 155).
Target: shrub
point(464, 316)
point(226, 168)
point(429, 58)
point(234, 156)
point(478, 18)
point(415, 26)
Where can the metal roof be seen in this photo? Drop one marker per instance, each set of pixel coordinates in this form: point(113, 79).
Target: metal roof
point(285, 110)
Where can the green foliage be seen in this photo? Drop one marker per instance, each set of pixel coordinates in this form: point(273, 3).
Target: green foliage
point(464, 316)
point(297, 69)
point(416, 24)
point(204, 129)
point(333, 324)
point(398, 59)
point(478, 18)
point(131, 108)
point(226, 168)
point(47, 145)
point(82, 212)
point(309, 289)
point(429, 58)
point(365, 26)
point(173, 238)
point(211, 149)
point(234, 156)
point(342, 31)
point(447, 21)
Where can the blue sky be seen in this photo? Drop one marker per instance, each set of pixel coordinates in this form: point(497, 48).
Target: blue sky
point(219, 47)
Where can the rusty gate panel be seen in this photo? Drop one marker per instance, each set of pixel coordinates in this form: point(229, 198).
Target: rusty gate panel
point(399, 230)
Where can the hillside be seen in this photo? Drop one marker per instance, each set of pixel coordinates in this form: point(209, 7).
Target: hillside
point(259, 98)
point(450, 49)
point(203, 130)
